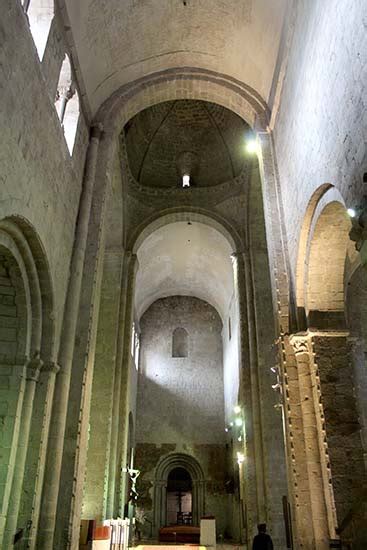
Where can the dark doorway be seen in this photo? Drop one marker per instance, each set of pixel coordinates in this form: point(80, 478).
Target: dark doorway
point(179, 497)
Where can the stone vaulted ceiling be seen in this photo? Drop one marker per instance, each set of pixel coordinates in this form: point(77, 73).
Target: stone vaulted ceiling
point(176, 137)
point(188, 260)
point(118, 41)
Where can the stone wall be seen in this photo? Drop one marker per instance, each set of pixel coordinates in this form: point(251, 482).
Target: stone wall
point(320, 129)
point(39, 180)
point(180, 407)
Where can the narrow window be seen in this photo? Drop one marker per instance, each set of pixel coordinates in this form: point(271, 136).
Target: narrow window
point(136, 349)
point(180, 343)
point(67, 103)
point(40, 14)
point(229, 328)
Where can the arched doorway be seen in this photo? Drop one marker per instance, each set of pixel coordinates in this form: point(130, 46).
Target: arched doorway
point(179, 497)
point(173, 471)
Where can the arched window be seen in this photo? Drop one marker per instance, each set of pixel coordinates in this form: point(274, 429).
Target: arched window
point(40, 14)
point(67, 103)
point(180, 343)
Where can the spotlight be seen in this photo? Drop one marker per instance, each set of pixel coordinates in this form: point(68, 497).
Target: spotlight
point(351, 212)
point(239, 438)
point(237, 409)
point(251, 146)
point(240, 458)
point(226, 430)
point(274, 370)
point(238, 422)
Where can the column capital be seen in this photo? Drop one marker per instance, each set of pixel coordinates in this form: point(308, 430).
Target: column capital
point(33, 367)
point(52, 367)
point(299, 343)
point(96, 130)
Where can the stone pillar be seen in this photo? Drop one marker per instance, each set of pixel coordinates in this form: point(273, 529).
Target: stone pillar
point(318, 533)
point(69, 328)
point(333, 358)
point(249, 466)
point(255, 393)
point(12, 388)
point(37, 449)
point(123, 430)
point(103, 399)
point(32, 372)
point(281, 285)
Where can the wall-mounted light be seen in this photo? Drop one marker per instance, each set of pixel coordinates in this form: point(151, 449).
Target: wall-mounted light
point(240, 458)
point(238, 422)
point(231, 424)
point(186, 180)
point(251, 146)
point(237, 409)
point(239, 438)
point(351, 212)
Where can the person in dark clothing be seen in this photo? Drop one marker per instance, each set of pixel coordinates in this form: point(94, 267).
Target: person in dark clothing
point(262, 541)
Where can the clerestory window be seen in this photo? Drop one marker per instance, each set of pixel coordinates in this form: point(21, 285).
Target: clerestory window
point(67, 103)
point(40, 14)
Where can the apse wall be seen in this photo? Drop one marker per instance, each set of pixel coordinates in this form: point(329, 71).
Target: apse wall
point(39, 181)
point(180, 406)
point(320, 129)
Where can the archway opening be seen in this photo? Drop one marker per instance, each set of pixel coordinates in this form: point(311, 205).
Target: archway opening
point(184, 297)
point(179, 497)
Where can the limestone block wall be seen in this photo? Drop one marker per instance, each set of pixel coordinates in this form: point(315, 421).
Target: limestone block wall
point(320, 129)
point(180, 405)
point(38, 179)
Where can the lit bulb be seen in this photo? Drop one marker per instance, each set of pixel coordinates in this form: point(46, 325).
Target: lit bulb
point(351, 212)
point(237, 409)
point(239, 438)
point(186, 180)
point(231, 423)
point(240, 458)
point(238, 421)
point(251, 146)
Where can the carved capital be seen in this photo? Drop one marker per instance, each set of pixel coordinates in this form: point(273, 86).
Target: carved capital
point(299, 344)
point(33, 367)
point(51, 367)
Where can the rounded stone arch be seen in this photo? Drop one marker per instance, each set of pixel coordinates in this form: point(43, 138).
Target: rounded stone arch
point(163, 469)
point(182, 83)
point(172, 84)
point(20, 240)
point(325, 256)
point(185, 214)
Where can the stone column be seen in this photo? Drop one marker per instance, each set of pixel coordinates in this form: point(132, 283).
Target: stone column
point(12, 388)
point(282, 292)
point(159, 503)
point(103, 399)
point(318, 536)
point(255, 393)
point(32, 372)
point(114, 475)
point(123, 431)
point(71, 311)
point(249, 465)
point(37, 448)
